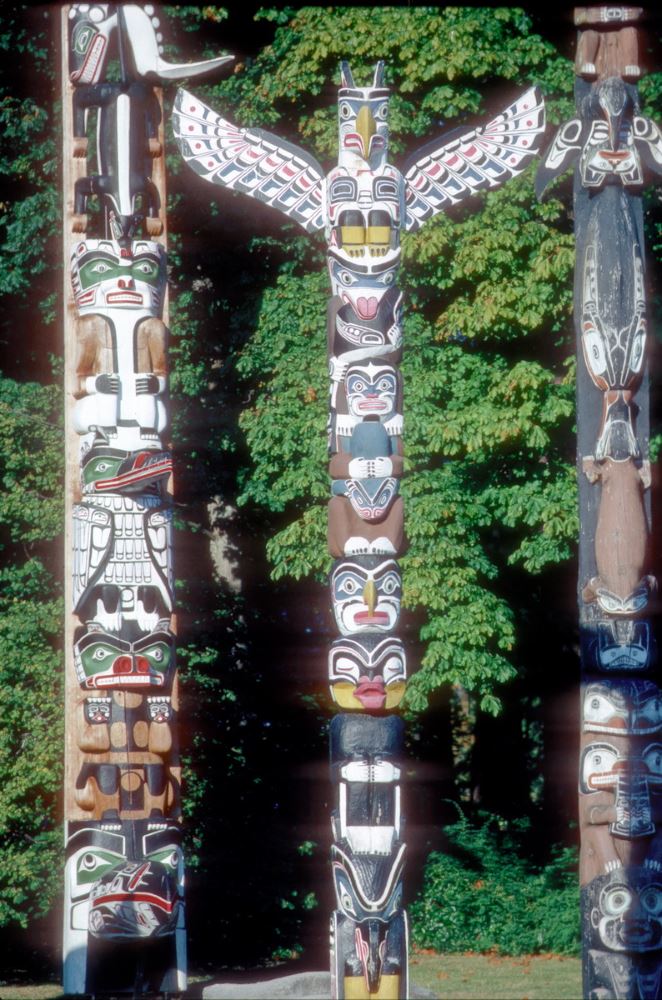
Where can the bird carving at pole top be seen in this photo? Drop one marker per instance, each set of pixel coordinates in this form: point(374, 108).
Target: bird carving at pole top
point(364, 202)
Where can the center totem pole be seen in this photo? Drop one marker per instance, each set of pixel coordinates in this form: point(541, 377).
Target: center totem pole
point(363, 205)
point(615, 151)
point(124, 926)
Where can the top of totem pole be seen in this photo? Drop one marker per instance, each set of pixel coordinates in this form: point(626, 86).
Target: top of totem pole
point(362, 121)
point(139, 42)
point(608, 43)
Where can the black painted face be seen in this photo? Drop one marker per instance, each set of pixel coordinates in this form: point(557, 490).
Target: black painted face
point(367, 673)
point(623, 707)
point(626, 910)
point(632, 776)
point(623, 646)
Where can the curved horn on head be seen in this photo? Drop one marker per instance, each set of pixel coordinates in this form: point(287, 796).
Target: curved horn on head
point(378, 79)
point(346, 78)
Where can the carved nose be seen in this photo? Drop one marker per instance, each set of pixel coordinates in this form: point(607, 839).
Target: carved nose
point(126, 283)
point(142, 665)
point(122, 665)
point(370, 595)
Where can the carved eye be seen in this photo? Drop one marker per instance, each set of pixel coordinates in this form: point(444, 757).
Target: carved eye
point(386, 385)
point(101, 267)
point(100, 653)
point(346, 277)
point(89, 861)
point(598, 766)
point(381, 113)
point(392, 668)
point(346, 902)
point(652, 756)
point(344, 665)
point(358, 385)
point(156, 654)
point(345, 110)
point(651, 900)
point(616, 901)
point(102, 466)
point(390, 584)
point(387, 278)
point(145, 267)
point(349, 585)
point(597, 708)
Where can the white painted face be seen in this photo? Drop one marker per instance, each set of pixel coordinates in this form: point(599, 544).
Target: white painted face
point(371, 390)
point(108, 277)
point(628, 916)
point(366, 594)
point(362, 127)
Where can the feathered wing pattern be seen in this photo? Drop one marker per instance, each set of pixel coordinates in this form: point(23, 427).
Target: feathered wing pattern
point(455, 166)
point(249, 160)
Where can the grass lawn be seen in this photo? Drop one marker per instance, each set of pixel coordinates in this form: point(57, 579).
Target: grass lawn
point(493, 977)
point(449, 977)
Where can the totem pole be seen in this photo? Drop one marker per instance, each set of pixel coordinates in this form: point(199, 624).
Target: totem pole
point(124, 927)
point(615, 151)
point(363, 205)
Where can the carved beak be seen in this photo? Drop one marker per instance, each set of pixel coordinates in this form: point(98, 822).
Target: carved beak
point(366, 128)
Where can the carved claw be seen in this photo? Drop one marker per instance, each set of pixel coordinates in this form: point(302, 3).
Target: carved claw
point(79, 223)
point(79, 147)
point(155, 148)
point(154, 227)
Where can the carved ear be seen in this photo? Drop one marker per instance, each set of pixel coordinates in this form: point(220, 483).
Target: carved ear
point(346, 78)
point(378, 80)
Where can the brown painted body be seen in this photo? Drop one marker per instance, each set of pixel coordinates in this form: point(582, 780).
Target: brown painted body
point(94, 349)
point(621, 536)
point(345, 523)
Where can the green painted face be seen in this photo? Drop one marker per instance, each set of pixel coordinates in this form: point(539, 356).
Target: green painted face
point(106, 661)
point(105, 276)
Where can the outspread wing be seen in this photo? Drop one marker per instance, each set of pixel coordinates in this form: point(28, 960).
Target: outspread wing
point(455, 166)
point(249, 160)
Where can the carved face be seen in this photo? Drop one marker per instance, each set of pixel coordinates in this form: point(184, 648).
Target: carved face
point(362, 286)
point(371, 390)
point(104, 660)
point(370, 497)
point(107, 277)
point(632, 775)
point(622, 707)
point(369, 673)
point(364, 211)
point(91, 27)
point(97, 710)
point(362, 121)
point(159, 709)
point(360, 338)
point(366, 593)
point(114, 470)
point(134, 900)
point(623, 645)
point(626, 910)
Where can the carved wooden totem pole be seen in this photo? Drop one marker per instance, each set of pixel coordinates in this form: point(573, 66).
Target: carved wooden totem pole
point(124, 923)
point(614, 151)
point(362, 206)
